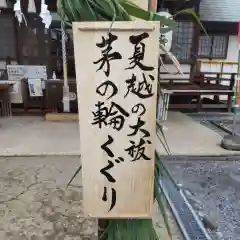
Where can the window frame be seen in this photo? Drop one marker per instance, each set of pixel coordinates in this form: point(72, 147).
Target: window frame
point(189, 60)
point(4, 15)
point(210, 56)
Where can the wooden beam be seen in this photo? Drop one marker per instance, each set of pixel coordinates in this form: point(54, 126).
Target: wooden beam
point(59, 117)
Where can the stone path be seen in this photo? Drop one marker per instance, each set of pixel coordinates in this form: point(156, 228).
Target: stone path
point(34, 136)
point(34, 204)
point(185, 136)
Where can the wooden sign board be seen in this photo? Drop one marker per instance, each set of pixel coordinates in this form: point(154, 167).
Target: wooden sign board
point(117, 89)
point(142, 3)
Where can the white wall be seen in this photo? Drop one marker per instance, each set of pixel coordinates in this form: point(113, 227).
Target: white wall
point(2, 65)
point(232, 57)
point(214, 66)
point(232, 49)
point(230, 64)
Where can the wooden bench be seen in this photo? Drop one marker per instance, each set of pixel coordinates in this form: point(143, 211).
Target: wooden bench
point(213, 83)
point(186, 91)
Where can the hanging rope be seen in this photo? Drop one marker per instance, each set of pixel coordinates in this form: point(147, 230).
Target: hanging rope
point(66, 105)
point(64, 53)
point(18, 12)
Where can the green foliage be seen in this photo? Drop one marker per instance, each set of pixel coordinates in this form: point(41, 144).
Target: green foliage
point(130, 229)
point(106, 10)
point(193, 13)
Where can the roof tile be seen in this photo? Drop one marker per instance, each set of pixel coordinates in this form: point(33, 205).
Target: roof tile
point(220, 10)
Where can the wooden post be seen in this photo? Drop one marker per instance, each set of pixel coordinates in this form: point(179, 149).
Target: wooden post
point(152, 5)
point(195, 44)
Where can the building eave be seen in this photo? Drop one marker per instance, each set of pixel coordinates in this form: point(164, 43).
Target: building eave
point(220, 11)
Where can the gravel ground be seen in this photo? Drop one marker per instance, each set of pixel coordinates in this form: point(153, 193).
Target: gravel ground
point(215, 191)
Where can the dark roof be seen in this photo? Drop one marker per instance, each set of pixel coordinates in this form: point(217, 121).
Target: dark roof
point(220, 10)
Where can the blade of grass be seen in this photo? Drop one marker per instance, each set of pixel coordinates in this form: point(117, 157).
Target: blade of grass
point(163, 169)
point(163, 144)
point(193, 13)
point(160, 203)
point(138, 12)
point(86, 11)
point(130, 229)
point(74, 175)
point(160, 128)
point(172, 58)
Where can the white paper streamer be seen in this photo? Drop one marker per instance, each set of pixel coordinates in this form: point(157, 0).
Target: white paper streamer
point(18, 12)
point(45, 14)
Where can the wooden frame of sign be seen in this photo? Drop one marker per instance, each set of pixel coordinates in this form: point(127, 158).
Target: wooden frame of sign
point(117, 88)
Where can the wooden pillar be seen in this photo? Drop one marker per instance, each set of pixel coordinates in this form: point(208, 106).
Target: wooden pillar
point(194, 49)
point(152, 5)
point(195, 43)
